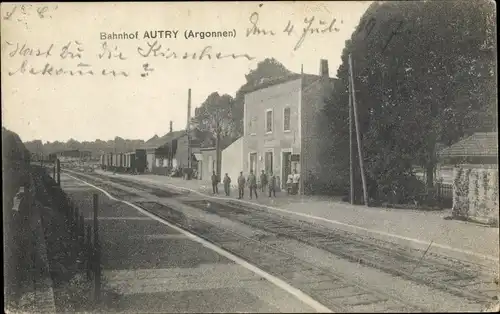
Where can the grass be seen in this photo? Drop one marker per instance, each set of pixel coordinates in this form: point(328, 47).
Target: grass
point(72, 287)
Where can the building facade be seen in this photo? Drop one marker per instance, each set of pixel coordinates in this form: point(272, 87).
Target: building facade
point(280, 133)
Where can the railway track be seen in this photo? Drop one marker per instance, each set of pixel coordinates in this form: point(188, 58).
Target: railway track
point(452, 276)
point(331, 289)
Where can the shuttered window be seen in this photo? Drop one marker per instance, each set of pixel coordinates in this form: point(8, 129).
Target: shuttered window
point(269, 121)
point(286, 119)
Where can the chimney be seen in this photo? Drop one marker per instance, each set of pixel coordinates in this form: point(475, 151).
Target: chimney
point(323, 68)
point(171, 127)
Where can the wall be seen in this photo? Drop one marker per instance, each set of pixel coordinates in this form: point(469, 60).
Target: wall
point(275, 97)
point(232, 160)
point(475, 193)
point(206, 168)
point(181, 155)
point(160, 165)
point(311, 109)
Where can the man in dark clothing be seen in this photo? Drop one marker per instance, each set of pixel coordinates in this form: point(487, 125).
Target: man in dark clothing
point(272, 184)
point(263, 181)
point(241, 185)
point(215, 182)
point(227, 184)
point(252, 183)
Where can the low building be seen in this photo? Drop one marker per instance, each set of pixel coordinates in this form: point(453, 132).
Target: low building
point(207, 163)
point(232, 160)
point(171, 151)
point(280, 133)
point(475, 176)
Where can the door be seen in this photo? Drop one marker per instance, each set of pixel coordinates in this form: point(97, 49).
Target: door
point(200, 169)
point(253, 162)
point(287, 168)
point(268, 162)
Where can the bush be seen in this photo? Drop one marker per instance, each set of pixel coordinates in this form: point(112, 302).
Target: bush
point(404, 189)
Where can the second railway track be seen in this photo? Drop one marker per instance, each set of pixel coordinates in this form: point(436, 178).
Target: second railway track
point(452, 276)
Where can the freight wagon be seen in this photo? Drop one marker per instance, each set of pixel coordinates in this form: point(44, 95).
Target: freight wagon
point(105, 161)
point(131, 162)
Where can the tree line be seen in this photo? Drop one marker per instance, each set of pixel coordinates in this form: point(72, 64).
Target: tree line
point(96, 147)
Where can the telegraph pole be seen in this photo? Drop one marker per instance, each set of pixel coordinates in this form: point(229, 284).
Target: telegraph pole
point(351, 148)
point(358, 136)
point(188, 130)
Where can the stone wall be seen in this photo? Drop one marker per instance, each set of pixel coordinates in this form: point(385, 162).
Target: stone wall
point(475, 193)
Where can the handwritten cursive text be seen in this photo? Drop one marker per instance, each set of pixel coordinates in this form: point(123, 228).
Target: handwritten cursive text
point(157, 50)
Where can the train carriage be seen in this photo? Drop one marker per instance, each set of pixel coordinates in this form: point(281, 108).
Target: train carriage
point(127, 163)
point(119, 162)
point(109, 163)
point(114, 162)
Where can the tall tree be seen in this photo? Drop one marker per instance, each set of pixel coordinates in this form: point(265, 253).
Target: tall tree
point(216, 115)
point(424, 75)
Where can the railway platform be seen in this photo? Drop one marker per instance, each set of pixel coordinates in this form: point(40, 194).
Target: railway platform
point(412, 228)
point(150, 266)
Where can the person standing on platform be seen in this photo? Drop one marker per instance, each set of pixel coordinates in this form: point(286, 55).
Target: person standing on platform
point(227, 184)
point(215, 183)
point(252, 184)
point(272, 185)
point(241, 185)
point(263, 181)
point(295, 182)
point(289, 186)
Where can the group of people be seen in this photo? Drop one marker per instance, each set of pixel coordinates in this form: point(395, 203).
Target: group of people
point(267, 182)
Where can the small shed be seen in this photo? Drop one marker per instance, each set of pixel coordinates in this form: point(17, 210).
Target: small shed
point(475, 176)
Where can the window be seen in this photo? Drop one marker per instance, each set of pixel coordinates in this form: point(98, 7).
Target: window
point(286, 119)
point(269, 121)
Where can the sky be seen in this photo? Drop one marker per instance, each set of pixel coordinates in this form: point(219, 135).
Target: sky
point(89, 107)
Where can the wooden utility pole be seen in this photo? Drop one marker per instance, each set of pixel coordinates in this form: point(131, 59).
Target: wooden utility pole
point(188, 130)
point(358, 136)
point(351, 148)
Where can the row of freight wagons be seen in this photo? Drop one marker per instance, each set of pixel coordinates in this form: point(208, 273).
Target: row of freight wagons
point(133, 162)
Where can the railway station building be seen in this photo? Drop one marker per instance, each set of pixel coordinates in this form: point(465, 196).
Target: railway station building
point(280, 119)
